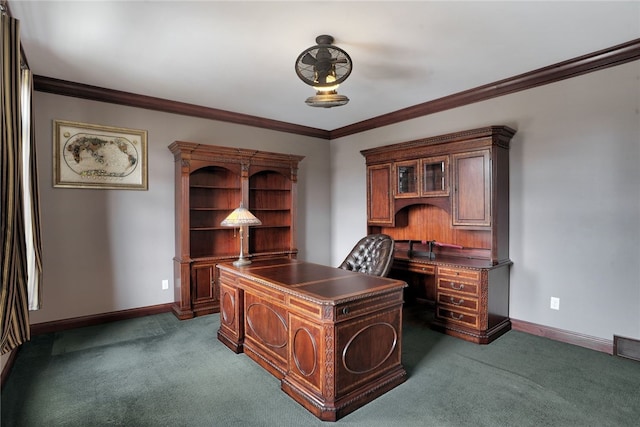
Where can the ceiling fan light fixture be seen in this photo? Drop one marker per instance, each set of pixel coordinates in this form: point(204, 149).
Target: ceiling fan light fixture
point(327, 100)
point(330, 80)
point(324, 67)
point(326, 89)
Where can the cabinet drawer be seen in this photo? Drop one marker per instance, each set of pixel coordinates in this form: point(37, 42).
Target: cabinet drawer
point(457, 300)
point(263, 291)
point(457, 316)
point(373, 304)
point(458, 287)
point(421, 268)
point(458, 273)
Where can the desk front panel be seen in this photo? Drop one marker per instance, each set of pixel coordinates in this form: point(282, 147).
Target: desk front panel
point(332, 355)
point(329, 361)
point(266, 332)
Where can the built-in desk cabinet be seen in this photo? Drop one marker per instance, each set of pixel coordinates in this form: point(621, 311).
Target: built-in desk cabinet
point(210, 182)
point(451, 189)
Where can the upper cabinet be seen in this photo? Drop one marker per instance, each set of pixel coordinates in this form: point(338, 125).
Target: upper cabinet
point(435, 176)
point(452, 188)
point(472, 188)
point(427, 177)
point(406, 178)
point(210, 182)
point(379, 194)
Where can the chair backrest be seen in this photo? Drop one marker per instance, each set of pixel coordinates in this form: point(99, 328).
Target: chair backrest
point(373, 254)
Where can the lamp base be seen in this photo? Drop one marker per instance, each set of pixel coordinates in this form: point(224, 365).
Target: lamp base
point(241, 262)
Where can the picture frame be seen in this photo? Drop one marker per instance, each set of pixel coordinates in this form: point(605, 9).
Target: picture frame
point(99, 157)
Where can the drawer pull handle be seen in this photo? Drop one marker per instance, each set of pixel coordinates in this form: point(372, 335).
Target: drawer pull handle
point(457, 288)
point(454, 302)
point(345, 310)
point(458, 317)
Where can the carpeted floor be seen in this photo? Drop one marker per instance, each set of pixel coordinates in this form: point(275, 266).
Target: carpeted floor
point(158, 371)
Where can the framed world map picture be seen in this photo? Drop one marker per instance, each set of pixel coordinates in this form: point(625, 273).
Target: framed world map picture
point(102, 157)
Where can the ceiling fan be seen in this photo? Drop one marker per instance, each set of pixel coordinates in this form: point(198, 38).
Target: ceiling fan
point(324, 67)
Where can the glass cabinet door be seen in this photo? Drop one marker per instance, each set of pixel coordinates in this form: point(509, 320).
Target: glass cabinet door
point(407, 179)
point(435, 176)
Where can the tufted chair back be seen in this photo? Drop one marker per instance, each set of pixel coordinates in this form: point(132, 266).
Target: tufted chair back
point(373, 254)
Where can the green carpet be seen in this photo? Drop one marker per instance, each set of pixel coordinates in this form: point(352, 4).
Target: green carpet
point(158, 371)
point(111, 333)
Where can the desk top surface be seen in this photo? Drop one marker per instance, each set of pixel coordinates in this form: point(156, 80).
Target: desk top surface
point(325, 284)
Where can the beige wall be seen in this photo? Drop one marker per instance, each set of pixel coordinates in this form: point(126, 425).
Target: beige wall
point(109, 250)
point(574, 196)
point(575, 202)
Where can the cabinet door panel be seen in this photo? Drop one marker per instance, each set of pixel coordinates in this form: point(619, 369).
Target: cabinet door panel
point(231, 314)
point(472, 185)
point(307, 353)
point(367, 347)
point(435, 176)
point(203, 283)
point(266, 332)
point(379, 199)
point(406, 179)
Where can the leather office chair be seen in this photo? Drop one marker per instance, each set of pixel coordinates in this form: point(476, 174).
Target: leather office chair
point(373, 254)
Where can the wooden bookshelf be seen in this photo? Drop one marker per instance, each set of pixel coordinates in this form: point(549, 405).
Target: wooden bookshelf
point(210, 182)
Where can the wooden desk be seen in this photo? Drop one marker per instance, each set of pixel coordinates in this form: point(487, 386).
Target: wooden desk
point(333, 337)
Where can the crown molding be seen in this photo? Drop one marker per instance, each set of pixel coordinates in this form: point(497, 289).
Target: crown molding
point(95, 93)
point(610, 57)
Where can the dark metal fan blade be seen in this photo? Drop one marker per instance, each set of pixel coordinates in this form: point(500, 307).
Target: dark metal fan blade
point(322, 77)
point(308, 59)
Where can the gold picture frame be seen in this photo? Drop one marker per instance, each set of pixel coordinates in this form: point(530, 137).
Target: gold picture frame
point(101, 157)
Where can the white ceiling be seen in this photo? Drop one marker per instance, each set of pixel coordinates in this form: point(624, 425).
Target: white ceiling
point(239, 56)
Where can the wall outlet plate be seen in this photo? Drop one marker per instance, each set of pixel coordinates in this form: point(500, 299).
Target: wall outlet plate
point(555, 303)
point(165, 284)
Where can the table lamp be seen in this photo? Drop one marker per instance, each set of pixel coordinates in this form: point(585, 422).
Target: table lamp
point(241, 217)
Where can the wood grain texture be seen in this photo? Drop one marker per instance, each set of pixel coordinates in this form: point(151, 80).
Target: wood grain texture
point(333, 337)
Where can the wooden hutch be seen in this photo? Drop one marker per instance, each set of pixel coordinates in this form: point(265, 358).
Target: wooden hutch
point(445, 200)
point(210, 182)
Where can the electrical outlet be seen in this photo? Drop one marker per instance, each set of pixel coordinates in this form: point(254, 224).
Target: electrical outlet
point(555, 303)
point(165, 284)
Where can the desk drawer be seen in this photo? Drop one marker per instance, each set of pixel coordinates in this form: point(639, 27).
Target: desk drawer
point(458, 287)
point(458, 273)
point(421, 268)
point(457, 316)
point(372, 304)
point(456, 300)
point(261, 290)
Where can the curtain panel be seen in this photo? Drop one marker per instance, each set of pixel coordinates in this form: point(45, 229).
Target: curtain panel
point(14, 312)
point(32, 234)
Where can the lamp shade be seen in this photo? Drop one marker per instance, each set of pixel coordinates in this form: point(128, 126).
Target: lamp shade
point(240, 217)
